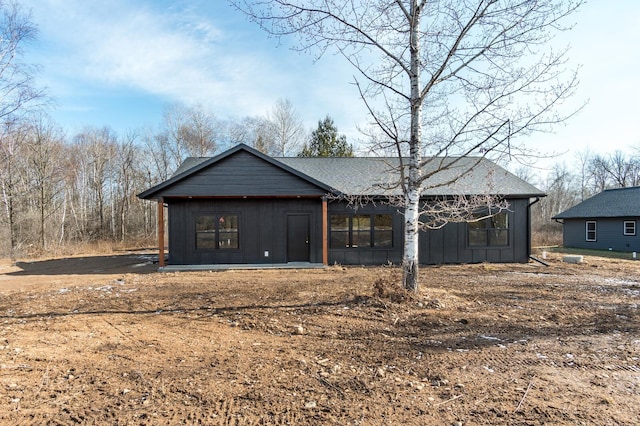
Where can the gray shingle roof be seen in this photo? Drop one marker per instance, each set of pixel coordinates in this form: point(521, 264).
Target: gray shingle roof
point(375, 176)
point(620, 202)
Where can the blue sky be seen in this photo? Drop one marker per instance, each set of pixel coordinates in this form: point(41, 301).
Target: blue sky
point(119, 63)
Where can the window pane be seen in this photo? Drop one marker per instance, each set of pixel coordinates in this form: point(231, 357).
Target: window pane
point(383, 231)
point(228, 223)
point(361, 238)
point(339, 231)
point(339, 239)
point(500, 221)
point(206, 223)
point(629, 228)
point(205, 240)
point(477, 237)
point(591, 231)
point(362, 223)
point(228, 240)
point(339, 223)
point(499, 237)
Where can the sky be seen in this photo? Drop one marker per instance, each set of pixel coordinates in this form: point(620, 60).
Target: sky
point(121, 63)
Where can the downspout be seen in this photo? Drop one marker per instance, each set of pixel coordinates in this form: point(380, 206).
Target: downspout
point(537, 199)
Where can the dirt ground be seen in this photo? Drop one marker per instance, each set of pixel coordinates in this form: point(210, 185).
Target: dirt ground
point(108, 340)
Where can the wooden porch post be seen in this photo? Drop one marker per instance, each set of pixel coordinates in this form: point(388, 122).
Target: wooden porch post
point(325, 245)
point(160, 232)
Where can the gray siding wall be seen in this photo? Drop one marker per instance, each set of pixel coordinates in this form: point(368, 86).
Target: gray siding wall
point(242, 174)
point(609, 234)
point(262, 227)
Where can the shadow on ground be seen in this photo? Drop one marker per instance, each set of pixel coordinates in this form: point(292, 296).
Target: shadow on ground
point(139, 263)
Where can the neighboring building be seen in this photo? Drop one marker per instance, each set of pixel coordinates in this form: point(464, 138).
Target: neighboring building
point(606, 221)
point(244, 207)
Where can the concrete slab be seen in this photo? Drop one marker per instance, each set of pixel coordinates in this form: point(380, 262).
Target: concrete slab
point(240, 266)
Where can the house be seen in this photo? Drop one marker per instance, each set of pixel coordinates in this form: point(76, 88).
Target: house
point(244, 207)
point(606, 221)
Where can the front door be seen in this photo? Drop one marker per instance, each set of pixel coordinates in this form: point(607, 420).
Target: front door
point(298, 238)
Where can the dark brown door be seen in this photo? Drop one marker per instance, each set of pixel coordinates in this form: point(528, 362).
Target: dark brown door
point(298, 238)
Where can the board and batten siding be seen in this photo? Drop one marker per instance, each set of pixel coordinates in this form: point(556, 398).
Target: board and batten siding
point(367, 255)
point(262, 227)
point(450, 244)
point(609, 234)
point(242, 175)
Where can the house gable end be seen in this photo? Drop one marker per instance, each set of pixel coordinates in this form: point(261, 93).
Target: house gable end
point(239, 172)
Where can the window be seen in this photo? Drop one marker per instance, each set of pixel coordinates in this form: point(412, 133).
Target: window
point(591, 230)
point(629, 227)
point(490, 232)
point(361, 231)
point(216, 232)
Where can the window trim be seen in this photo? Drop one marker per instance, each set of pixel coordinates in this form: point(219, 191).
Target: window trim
point(487, 229)
point(624, 227)
point(594, 230)
point(351, 231)
point(217, 231)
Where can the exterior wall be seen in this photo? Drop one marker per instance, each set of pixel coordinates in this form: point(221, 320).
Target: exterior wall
point(368, 255)
point(262, 227)
point(447, 245)
point(609, 234)
point(450, 244)
point(242, 174)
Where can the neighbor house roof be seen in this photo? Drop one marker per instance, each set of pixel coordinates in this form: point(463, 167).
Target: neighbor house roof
point(619, 202)
point(378, 176)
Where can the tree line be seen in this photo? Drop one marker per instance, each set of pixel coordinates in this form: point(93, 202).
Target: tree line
point(59, 189)
point(567, 185)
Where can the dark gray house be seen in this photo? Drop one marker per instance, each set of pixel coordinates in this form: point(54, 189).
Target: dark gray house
point(606, 221)
point(244, 207)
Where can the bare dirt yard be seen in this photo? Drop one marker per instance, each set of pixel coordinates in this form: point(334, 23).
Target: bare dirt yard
point(108, 340)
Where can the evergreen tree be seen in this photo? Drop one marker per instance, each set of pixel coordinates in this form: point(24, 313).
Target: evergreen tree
point(326, 142)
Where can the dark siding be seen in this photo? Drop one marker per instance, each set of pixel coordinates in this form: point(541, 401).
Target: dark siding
point(368, 256)
point(242, 174)
point(262, 227)
point(449, 244)
point(610, 234)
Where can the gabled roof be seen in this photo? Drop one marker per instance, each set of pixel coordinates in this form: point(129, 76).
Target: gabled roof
point(191, 166)
point(376, 176)
point(619, 202)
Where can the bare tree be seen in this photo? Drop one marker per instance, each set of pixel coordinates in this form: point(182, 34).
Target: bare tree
point(12, 172)
point(288, 130)
point(18, 94)
point(17, 87)
point(190, 131)
point(440, 78)
point(257, 132)
point(98, 147)
point(45, 146)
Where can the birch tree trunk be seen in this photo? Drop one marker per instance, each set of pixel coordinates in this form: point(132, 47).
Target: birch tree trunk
point(410, 258)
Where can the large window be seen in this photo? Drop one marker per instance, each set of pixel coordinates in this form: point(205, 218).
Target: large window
point(217, 232)
point(629, 227)
point(591, 230)
point(361, 231)
point(490, 232)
